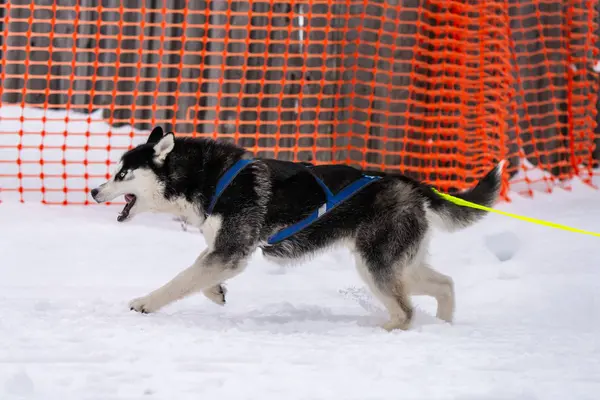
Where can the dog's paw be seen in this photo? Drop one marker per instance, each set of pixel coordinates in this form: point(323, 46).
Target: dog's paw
point(395, 324)
point(216, 294)
point(143, 305)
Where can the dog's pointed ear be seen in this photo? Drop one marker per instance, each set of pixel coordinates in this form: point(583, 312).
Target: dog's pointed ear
point(164, 147)
point(156, 135)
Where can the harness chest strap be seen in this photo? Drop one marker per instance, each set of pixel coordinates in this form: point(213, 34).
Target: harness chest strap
point(225, 180)
point(331, 202)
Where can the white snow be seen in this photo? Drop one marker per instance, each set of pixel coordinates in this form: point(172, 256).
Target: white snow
point(526, 328)
point(504, 245)
point(527, 323)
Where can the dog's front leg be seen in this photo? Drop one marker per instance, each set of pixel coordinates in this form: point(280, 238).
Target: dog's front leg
point(216, 293)
point(207, 272)
point(231, 241)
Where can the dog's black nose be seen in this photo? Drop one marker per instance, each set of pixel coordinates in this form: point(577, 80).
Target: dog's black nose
point(94, 193)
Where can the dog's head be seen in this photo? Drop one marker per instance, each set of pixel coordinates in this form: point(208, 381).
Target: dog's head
point(137, 176)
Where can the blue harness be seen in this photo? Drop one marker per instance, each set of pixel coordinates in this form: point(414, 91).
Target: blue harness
point(331, 202)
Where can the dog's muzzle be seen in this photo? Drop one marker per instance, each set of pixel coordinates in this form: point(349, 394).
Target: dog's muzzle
point(99, 194)
point(94, 194)
point(130, 201)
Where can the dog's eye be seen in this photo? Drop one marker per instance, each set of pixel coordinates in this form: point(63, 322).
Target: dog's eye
point(121, 175)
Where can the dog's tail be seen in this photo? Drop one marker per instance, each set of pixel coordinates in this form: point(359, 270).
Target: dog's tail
point(451, 217)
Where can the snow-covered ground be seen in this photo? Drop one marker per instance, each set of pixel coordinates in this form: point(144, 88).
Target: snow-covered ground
point(527, 322)
point(527, 327)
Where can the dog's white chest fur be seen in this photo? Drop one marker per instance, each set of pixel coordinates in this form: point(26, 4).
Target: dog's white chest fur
point(210, 229)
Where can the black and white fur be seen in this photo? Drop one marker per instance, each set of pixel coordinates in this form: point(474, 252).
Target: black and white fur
point(387, 225)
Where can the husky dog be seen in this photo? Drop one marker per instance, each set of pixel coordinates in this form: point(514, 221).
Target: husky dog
point(387, 224)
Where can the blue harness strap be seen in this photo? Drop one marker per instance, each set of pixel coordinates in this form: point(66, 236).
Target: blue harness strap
point(225, 181)
point(331, 201)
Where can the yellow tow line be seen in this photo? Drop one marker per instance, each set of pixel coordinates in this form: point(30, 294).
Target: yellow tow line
point(465, 203)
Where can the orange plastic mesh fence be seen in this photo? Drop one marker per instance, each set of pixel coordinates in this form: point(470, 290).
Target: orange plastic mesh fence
point(436, 89)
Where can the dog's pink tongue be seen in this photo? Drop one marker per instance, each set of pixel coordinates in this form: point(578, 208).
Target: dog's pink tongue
point(128, 197)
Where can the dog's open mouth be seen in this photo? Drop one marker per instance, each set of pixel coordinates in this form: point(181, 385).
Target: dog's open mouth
point(130, 199)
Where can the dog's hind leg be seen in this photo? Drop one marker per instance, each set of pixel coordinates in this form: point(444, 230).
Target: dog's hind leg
point(388, 286)
point(424, 280)
point(385, 248)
